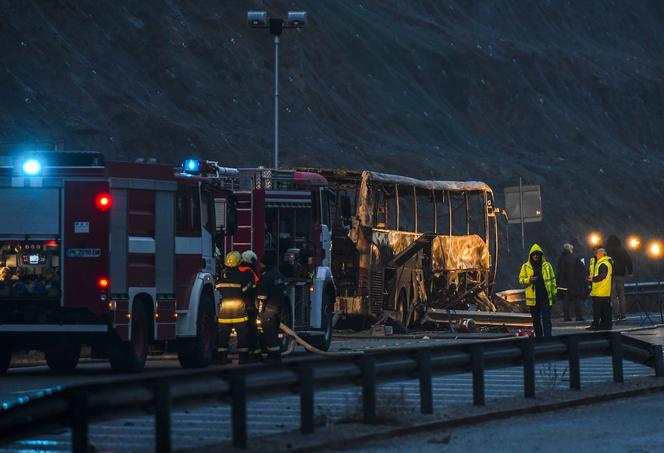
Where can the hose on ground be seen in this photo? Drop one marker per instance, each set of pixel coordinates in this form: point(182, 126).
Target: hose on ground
point(288, 331)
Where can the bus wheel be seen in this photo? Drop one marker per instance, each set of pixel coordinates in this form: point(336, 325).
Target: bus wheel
point(5, 359)
point(63, 357)
point(323, 341)
point(399, 325)
point(130, 356)
point(198, 353)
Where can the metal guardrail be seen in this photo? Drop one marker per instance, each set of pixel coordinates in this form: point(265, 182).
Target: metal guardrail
point(79, 405)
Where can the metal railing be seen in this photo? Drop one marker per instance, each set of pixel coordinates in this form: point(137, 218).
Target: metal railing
point(79, 405)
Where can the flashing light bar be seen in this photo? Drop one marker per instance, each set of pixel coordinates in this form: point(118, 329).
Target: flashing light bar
point(192, 166)
point(31, 167)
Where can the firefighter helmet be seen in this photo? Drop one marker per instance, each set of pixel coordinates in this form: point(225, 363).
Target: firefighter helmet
point(232, 259)
point(249, 257)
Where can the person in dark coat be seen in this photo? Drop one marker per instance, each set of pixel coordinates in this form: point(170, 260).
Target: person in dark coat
point(572, 277)
point(622, 268)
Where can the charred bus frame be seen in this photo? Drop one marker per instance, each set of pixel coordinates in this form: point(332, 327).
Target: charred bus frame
point(405, 248)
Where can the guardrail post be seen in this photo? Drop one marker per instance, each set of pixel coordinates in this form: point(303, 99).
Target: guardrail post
point(659, 360)
point(239, 408)
point(574, 362)
point(78, 408)
point(426, 388)
point(306, 373)
point(477, 362)
point(617, 356)
point(528, 351)
point(162, 416)
point(368, 368)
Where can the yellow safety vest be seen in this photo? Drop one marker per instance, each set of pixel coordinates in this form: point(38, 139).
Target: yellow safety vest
point(591, 266)
point(602, 288)
point(549, 277)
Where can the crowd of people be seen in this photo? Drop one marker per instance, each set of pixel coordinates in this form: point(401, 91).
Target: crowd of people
point(250, 290)
point(603, 279)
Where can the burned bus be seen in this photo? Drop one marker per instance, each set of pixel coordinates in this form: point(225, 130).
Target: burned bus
point(411, 250)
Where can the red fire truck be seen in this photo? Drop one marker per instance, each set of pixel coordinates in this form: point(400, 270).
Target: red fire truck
point(287, 213)
point(115, 255)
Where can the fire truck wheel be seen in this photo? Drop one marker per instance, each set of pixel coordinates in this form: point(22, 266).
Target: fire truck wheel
point(129, 356)
point(63, 357)
point(324, 341)
point(199, 353)
point(5, 359)
point(286, 319)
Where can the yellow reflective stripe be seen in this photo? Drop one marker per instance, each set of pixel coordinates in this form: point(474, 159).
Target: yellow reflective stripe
point(274, 348)
point(262, 297)
point(245, 289)
point(232, 320)
point(229, 285)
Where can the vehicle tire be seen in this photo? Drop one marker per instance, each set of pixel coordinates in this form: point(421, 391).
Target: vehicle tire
point(5, 359)
point(199, 352)
point(286, 318)
point(399, 325)
point(324, 341)
point(130, 356)
point(63, 357)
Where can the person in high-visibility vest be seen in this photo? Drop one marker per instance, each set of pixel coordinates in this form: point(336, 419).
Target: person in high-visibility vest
point(233, 285)
point(601, 291)
point(538, 278)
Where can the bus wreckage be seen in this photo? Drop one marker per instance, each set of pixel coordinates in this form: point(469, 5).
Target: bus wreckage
point(416, 251)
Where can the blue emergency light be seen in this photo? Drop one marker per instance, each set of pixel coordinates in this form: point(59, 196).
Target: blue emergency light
point(192, 165)
point(31, 167)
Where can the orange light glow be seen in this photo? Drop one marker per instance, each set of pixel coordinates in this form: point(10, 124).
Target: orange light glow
point(633, 243)
point(655, 249)
point(103, 283)
point(595, 239)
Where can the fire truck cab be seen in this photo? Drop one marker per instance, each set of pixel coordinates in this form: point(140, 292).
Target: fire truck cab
point(115, 255)
point(286, 213)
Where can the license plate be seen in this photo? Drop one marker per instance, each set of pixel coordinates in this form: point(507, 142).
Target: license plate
point(83, 253)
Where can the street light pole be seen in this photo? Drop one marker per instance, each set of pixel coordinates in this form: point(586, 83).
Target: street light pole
point(276, 101)
point(259, 19)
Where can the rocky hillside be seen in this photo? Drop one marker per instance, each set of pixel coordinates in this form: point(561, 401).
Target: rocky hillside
point(569, 95)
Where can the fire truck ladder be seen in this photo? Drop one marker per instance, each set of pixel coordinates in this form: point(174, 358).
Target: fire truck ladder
point(242, 203)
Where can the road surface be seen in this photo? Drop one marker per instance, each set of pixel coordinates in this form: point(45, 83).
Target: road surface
point(628, 425)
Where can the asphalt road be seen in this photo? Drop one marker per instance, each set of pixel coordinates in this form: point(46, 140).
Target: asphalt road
point(629, 425)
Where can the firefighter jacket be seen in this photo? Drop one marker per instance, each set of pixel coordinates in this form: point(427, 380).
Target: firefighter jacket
point(548, 277)
point(603, 274)
point(271, 289)
point(233, 285)
point(250, 294)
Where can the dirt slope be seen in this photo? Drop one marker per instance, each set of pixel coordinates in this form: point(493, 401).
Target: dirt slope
point(566, 94)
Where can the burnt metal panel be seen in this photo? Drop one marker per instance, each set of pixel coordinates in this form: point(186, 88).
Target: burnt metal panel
point(119, 242)
point(165, 242)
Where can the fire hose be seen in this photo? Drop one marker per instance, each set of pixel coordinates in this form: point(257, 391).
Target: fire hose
point(288, 331)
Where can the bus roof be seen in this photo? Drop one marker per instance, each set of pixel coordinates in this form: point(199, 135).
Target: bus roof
point(453, 186)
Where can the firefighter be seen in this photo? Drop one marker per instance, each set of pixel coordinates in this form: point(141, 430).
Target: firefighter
point(248, 264)
point(540, 281)
point(601, 291)
point(233, 285)
point(271, 294)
